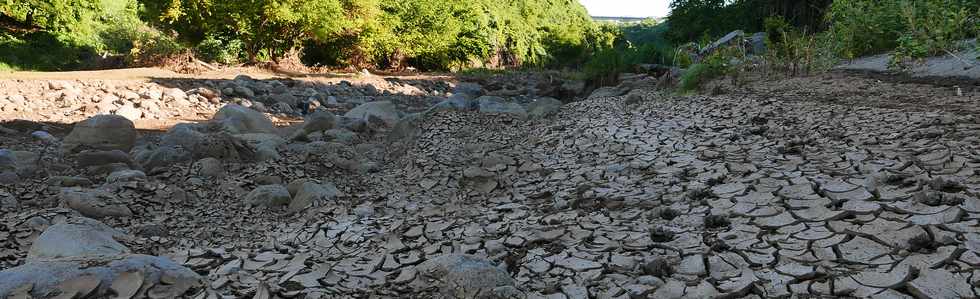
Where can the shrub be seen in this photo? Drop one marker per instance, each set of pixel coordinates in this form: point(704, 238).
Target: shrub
point(797, 51)
point(214, 49)
point(715, 65)
point(933, 27)
point(604, 68)
point(914, 29)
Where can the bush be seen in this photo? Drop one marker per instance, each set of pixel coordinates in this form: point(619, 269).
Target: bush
point(43, 51)
point(214, 49)
point(934, 27)
point(914, 28)
point(716, 65)
point(797, 51)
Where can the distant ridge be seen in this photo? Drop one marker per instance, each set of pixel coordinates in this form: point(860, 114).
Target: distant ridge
point(622, 19)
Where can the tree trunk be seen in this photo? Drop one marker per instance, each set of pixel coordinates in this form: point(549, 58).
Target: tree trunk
point(29, 20)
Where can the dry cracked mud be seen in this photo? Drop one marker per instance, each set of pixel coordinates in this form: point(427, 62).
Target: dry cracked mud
point(740, 195)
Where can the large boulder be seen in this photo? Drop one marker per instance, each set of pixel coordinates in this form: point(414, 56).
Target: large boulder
point(237, 119)
point(125, 276)
point(78, 237)
point(81, 258)
point(497, 105)
point(98, 158)
point(162, 157)
point(384, 111)
point(455, 102)
point(468, 276)
point(543, 107)
point(8, 162)
point(102, 132)
point(468, 90)
point(315, 122)
point(264, 146)
point(608, 91)
point(406, 128)
point(757, 43)
point(186, 142)
point(733, 37)
point(308, 193)
point(94, 203)
point(268, 196)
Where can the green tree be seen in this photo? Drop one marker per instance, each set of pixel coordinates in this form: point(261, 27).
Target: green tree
point(266, 27)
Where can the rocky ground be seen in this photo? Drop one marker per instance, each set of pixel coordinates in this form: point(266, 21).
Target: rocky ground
point(824, 186)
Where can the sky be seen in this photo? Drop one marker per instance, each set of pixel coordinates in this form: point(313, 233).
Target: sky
point(627, 8)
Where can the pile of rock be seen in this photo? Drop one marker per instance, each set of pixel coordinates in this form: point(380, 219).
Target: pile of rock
point(81, 258)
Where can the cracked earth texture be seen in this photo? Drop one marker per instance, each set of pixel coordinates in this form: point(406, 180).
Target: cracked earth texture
point(727, 196)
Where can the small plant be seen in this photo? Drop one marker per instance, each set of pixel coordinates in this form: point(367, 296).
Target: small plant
point(716, 221)
point(923, 243)
point(658, 267)
point(718, 64)
point(660, 234)
point(697, 194)
point(669, 214)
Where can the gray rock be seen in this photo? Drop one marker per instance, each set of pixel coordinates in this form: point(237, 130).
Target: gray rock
point(308, 193)
point(352, 124)
point(26, 162)
point(340, 135)
point(287, 99)
point(468, 89)
point(757, 43)
point(243, 91)
point(162, 157)
point(162, 277)
point(373, 112)
point(497, 105)
point(210, 167)
point(543, 107)
point(96, 158)
point(237, 119)
point(467, 276)
point(78, 237)
point(44, 137)
point(730, 38)
point(315, 122)
point(406, 128)
point(197, 142)
point(268, 196)
point(266, 146)
point(8, 162)
point(94, 203)
point(9, 177)
point(605, 92)
point(125, 175)
point(102, 132)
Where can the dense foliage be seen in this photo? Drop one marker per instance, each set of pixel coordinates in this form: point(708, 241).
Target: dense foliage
point(693, 19)
point(427, 34)
point(915, 28)
point(631, 44)
point(76, 34)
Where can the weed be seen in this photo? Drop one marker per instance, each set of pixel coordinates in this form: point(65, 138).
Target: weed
point(658, 267)
point(716, 221)
point(923, 243)
point(669, 214)
point(660, 234)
